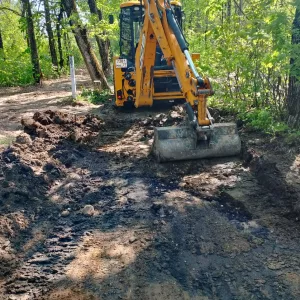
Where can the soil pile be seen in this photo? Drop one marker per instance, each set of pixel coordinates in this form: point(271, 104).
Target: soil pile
point(28, 169)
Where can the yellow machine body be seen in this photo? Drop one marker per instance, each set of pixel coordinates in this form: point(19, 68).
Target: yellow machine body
point(121, 84)
point(129, 92)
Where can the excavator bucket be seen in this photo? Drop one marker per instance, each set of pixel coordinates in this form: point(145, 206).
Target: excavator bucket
point(183, 143)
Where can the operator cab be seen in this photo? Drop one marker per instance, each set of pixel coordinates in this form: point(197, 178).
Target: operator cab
point(131, 23)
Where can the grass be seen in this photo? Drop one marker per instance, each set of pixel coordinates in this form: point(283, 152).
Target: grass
point(5, 141)
point(293, 138)
point(95, 96)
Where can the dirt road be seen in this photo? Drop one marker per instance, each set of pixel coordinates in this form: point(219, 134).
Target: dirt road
point(18, 102)
point(87, 213)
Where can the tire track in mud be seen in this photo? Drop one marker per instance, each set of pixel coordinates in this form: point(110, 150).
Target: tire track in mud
point(186, 230)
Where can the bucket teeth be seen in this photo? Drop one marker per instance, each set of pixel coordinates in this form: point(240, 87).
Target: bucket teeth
point(182, 143)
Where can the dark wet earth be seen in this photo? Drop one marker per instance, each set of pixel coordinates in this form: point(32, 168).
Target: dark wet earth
point(87, 213)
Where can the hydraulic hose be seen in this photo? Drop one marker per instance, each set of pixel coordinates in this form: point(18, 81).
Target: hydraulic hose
point(191, 114)
point(193, 68)
point(183, 45)
point(174, 26)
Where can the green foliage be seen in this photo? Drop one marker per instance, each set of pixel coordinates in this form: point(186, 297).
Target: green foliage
point(263, 119)
point(16, 71)
point(15, 62)
point(293, 138)
point(95, 96)
point(246, 52)
point(6, 140)
point(102, 28)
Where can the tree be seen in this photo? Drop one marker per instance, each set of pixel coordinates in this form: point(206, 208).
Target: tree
point(50, 35)
point(58, 34)
point(103, 43)
point(84, 45)
point(1, 42)
point(36, 70)
point(2, 55)
point(293, 100)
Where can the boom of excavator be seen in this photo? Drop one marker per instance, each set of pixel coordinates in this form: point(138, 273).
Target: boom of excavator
point(155, 65)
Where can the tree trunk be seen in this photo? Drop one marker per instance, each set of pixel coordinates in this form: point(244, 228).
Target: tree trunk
point(1, 42)
point(103, 44)
point(2, 55)
point(84, 45)
point(50, 35)
point(293, 100)
point(229, 9)
point(59, 44)
point(36, 70)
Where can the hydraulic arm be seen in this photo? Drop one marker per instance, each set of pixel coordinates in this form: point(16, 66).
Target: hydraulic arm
point(161, 27)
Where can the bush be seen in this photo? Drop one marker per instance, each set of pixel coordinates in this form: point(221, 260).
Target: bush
point(263, 119)
point(95, 96)
point(16, 71)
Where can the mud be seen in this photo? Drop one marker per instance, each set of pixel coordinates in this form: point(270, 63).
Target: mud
point(208, 229)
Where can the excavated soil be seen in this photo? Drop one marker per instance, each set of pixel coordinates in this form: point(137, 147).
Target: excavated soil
point(87, 213)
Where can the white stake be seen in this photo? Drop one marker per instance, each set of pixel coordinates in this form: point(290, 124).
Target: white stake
point(73, 79)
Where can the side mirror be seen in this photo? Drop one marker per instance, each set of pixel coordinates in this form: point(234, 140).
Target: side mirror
point(111, 19)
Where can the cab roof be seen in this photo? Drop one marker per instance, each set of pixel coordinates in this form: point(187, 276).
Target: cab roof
point(133, 3)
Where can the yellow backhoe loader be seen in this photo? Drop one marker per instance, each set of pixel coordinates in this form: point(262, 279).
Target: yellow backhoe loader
point(155, 65)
